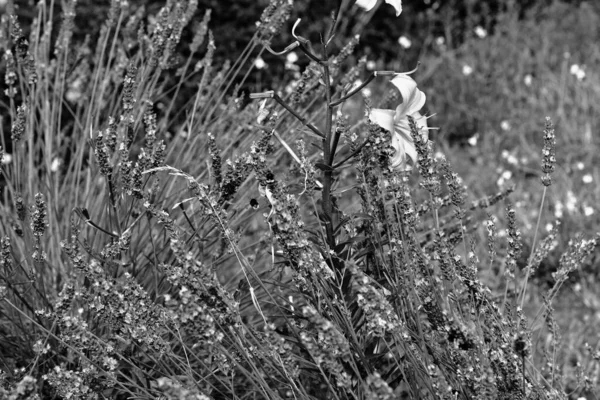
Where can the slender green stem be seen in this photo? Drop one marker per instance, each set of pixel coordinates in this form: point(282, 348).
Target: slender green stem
point(353, 92)
point(537, 227)
point(328, 150)
point(298, 117)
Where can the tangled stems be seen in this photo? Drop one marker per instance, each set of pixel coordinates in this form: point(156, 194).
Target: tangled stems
point(329, 137)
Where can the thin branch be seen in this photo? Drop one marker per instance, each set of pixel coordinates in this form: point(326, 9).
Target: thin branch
point(271, 94)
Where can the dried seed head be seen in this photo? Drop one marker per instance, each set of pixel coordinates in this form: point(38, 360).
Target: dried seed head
point(159, 155)
point(111, 134)
point(20, 206)
point(150, 126)
point(129, 88)
point(346, 51)
point(272, 19)
point(18, 126)
point(548, 153)
point(514, 241)
point(24, 57)
point(38, 216)
point(10, 77)
point(215, 157)
point(103, 158)
point(492, 234)
point(201, 31)
point(66, 27)
point(425, 162)
point(5, 255)
point(455, 186)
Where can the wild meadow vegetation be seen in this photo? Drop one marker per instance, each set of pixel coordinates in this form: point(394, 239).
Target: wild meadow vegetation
point(174, 226)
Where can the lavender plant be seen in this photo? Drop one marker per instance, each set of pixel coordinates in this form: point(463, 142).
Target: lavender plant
point(157, 244)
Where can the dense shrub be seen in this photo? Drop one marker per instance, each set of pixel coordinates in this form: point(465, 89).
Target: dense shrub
point(163, 236)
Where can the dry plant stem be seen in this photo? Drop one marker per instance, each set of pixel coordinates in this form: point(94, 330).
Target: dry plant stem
point(537, 228)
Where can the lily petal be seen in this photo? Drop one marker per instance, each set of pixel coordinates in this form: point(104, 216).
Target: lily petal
point(383, 118)
point(366, 4)
point(397, 4)
point(412, 98)
point(369, 4)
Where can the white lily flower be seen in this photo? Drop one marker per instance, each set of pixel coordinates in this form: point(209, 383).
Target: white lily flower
point(369, 4)
point(396, 121)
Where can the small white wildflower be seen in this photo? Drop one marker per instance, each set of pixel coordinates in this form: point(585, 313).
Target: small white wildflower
point(439, 156)
point(371, 65)
point(74, 92)
point(587, 178)
point(404, 42)
point(369, 4)
point(505, 125)
point(549, 227)
point(574, 68)
point(505, 176)
point(587, 210)
point(558, 209)
point(480, 32)
point(440, 41)
point(571, 201)
point(473, 139)
point(510, 158)
point(467, 70)
point(259, 63)
point(292, 57)
point(110, 363)
point(55, 164)
point(528, 80)
point(577, 71)
point(580, 165)
point(366, 92)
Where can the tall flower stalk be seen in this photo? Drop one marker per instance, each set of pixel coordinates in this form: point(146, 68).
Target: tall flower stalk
point(548, 166)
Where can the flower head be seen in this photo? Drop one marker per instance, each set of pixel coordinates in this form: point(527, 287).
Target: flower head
point(396, 121)
point(369, 4)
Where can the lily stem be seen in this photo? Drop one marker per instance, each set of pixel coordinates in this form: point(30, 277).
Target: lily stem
point(328, 151)
point(303, 120)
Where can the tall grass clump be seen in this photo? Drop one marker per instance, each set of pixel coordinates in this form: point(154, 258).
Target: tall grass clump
point(162, 237)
